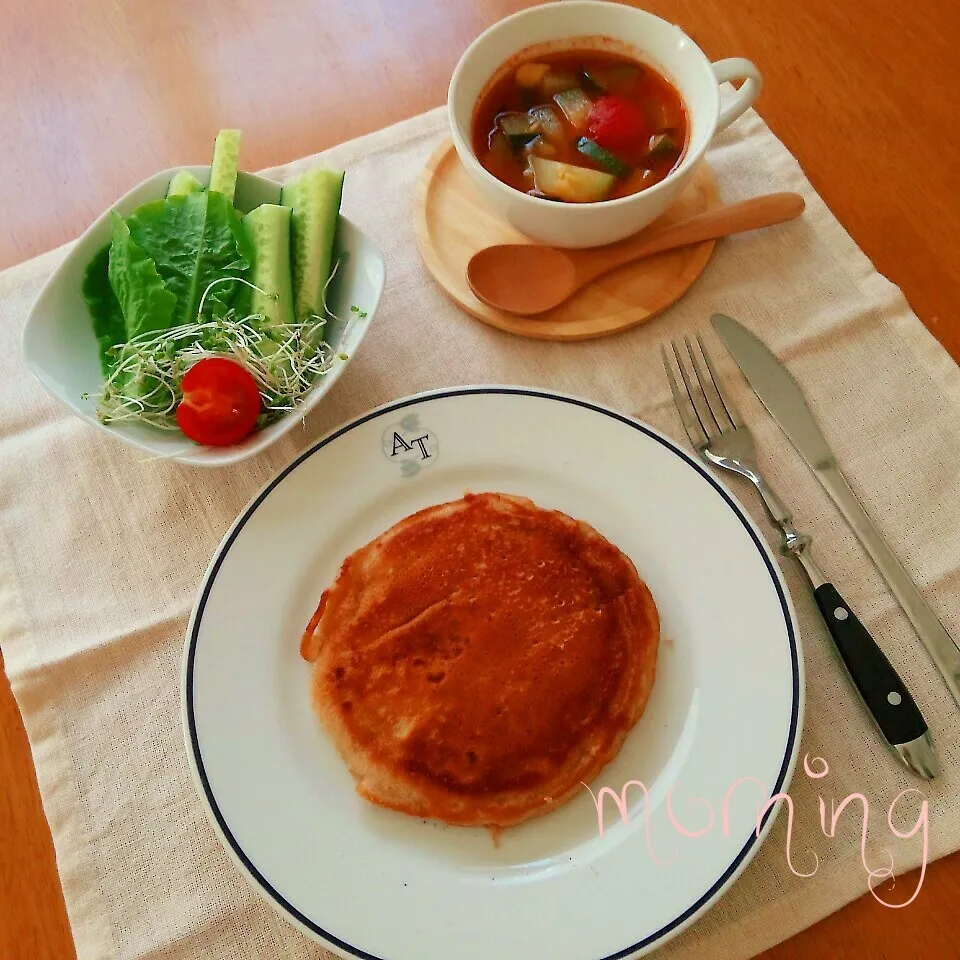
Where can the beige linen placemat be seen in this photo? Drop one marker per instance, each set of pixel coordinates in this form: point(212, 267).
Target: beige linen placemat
point(102, 554)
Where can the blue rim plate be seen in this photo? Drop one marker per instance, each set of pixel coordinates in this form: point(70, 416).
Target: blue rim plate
point(718, 739)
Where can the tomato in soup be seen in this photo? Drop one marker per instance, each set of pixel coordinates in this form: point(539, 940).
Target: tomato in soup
point(580, 126)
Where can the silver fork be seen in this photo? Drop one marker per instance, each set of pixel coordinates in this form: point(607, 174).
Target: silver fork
point(720, 436)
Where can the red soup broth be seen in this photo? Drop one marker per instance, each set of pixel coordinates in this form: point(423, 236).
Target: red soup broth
point(580, 126)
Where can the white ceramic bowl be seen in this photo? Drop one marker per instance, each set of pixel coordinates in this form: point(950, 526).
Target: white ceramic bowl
point(581, 24)
point(60, 349)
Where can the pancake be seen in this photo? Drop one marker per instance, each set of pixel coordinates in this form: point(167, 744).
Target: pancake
point(480, 659)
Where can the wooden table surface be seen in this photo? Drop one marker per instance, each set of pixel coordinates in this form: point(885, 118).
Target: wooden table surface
point(95, 95)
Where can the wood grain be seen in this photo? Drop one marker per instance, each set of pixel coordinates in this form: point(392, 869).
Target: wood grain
point(95, 95)
point(33, 920)
point(451, 223)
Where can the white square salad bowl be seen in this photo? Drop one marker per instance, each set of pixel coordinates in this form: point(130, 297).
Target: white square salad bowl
point(60, 348)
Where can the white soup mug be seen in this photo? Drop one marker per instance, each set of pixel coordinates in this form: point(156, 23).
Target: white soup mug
point(579, 25)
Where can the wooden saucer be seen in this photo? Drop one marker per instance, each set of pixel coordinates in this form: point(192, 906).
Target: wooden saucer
point(451, 222)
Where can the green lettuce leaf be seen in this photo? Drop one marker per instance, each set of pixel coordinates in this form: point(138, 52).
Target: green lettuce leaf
point(108, 325)
point(140, 292)
point(194, 240)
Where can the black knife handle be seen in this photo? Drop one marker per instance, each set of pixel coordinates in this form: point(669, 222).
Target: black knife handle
point(883, 691)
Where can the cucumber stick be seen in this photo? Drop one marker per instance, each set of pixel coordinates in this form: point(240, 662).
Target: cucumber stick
point(182, 183)
point(314, 199)
point(268, 227)
point(226, 158)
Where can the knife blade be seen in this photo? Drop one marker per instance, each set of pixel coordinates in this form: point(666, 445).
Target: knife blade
point(782, 397)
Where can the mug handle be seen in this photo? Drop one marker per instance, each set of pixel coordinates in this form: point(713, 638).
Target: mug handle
point(735, 68)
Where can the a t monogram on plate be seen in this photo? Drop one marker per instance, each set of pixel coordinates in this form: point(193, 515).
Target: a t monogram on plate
point(410, 444)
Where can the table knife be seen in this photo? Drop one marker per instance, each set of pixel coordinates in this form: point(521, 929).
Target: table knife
point(779, 393)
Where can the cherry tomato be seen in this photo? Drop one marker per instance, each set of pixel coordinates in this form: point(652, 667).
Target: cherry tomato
point(220, 402)
point(618, 125)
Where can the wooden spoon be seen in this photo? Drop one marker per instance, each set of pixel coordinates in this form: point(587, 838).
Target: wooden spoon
point(528, 279)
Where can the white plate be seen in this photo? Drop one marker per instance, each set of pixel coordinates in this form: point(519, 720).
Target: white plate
point(61, 351)
point(372, 883)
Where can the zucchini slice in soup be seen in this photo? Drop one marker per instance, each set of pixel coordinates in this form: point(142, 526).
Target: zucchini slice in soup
point(609, 161)
point(661, 144)
point(556, 81)
point(576, 107)
point(563, 181)
point(548, 123)
point(519, 128)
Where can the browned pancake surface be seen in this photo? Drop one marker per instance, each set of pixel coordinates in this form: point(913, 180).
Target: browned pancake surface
point(481, 658)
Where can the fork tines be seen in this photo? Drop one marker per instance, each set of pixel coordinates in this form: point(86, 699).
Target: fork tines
point(705, 410)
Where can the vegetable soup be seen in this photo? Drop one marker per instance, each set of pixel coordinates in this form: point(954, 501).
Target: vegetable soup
point(580, 126)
